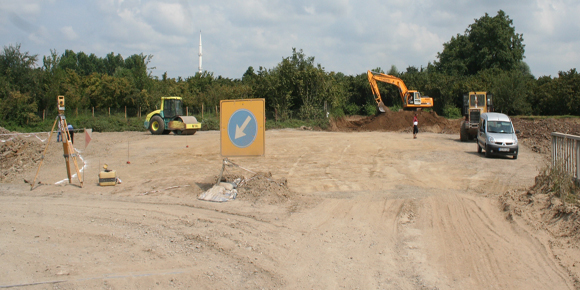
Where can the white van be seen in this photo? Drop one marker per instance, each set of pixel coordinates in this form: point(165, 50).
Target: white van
point(497, 135)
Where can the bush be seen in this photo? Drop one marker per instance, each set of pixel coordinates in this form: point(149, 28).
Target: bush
point(113, 123)
point(352, 109)
point(396, 108)
point(210, 124)
point(310, 112)
point(451, 112)
point(370, 109)
point(336, 112)
point(556, 181)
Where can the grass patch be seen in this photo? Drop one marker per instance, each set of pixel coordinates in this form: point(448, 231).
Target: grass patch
point(118, 123)
point(555, 181)
point(113, 123)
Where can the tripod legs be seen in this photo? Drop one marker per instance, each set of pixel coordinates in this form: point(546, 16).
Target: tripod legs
point(69, 151)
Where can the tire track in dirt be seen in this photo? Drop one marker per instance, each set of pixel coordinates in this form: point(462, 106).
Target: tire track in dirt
point(411, 256)
point(468, 245)
point(384, 230)
point(165, 232)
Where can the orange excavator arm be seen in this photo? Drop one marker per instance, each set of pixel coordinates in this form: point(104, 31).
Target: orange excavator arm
point(376, 93)
point(407, 96)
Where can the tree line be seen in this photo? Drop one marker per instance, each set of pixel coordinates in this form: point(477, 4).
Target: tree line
point(488, 56)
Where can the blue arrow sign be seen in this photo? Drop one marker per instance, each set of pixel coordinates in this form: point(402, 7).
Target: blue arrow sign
point(242, 128)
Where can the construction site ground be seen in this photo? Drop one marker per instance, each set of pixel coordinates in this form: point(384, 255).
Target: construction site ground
point(360, 206)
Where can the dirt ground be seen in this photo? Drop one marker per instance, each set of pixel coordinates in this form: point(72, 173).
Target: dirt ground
point(363, 206)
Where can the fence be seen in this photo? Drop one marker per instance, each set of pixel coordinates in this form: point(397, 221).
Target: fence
point(566, 153)
point(128, 112)
point(140, 112)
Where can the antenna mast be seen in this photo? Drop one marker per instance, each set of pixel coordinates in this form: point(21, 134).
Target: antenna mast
point(200, 52)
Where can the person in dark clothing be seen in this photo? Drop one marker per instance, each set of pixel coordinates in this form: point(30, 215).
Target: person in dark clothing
point(71, 131)
point(59, 133)
point(415, 126)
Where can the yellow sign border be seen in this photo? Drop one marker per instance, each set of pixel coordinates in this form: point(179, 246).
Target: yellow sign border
point(258, 108)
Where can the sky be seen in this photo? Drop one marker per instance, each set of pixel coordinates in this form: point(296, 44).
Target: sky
point(344, 36)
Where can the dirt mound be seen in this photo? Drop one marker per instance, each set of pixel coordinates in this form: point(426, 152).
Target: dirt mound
point(536, 133)
point(17, 153)
point(401, 121)
point(260, 188)
point(551, 204)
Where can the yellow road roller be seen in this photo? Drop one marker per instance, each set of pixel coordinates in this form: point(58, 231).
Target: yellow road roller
point(169, 118)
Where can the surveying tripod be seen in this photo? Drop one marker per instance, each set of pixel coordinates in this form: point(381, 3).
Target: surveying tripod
point(69, 150)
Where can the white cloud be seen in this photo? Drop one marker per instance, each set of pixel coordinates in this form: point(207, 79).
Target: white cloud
point(69, 33)
point(169, 18)
point(22, 7)
point(344, 36)
point(40, 36)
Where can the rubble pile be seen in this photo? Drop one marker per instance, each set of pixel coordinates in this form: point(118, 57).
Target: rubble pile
point(260, 188)
point(17, 154)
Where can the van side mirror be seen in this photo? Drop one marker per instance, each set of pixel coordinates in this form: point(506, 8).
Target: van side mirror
point(518, 132)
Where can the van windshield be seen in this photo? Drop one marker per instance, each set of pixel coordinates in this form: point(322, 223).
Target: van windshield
point(499, 127)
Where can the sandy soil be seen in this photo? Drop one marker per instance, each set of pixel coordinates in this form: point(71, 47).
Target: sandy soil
point(365, 210)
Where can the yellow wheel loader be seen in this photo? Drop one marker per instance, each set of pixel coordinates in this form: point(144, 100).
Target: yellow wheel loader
point(474, 104)
point(169, 118)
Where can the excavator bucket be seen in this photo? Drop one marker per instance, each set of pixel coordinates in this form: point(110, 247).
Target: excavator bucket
point(382, 107)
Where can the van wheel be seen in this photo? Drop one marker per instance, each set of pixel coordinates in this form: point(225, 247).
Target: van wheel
point(516, 156)
point(478, 148)
point(487, 153)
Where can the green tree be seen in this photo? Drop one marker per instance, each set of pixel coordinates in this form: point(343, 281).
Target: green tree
point(53, 79)
point(249, 75)
point(73, 88)
point(490, 42)
point(111, 62)
point(558, 96)
point(137, 65)
point(68, 60)
point(19, 86)
point(106, 91)
point(19, 109)
point(511, 91)
point(18, 71)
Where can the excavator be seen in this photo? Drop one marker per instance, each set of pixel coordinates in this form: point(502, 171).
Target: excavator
point(411, 99)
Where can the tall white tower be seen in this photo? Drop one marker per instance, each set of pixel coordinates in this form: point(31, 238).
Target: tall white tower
point(200, 52)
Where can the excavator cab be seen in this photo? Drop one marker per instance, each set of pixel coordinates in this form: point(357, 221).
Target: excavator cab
point(415, 98)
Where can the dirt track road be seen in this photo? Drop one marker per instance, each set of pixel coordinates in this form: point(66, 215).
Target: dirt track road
point(370, 210)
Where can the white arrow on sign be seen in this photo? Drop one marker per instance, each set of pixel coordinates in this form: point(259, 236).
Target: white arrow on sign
point(240, 130)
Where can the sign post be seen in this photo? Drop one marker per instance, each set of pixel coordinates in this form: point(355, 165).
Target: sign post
point(242, 127)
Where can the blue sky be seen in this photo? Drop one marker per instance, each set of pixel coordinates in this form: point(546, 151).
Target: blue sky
point(343, 36)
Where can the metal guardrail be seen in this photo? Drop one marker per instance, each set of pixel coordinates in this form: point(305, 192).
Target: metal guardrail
point(566, 153)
